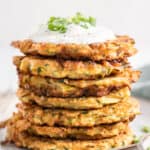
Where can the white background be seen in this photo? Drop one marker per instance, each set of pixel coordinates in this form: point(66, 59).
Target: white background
point(19, 17)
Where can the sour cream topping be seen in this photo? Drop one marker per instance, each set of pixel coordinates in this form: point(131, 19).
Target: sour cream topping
point(75, 34)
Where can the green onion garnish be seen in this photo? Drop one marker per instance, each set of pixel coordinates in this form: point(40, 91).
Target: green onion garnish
point(60, 24)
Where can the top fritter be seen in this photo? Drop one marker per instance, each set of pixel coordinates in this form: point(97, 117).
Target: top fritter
point(78, 37)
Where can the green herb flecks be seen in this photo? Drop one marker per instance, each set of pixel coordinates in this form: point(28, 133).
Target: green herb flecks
point(148, 148)
point(60, 24)
point(123, 143)
point(84, 112)
point(70, 121)
point(136, 139)
point(40, 69)
point(46, 65)
point(146, 129)
point(65, 148)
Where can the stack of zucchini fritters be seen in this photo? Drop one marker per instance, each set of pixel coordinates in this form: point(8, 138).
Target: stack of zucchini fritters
point(74, 96)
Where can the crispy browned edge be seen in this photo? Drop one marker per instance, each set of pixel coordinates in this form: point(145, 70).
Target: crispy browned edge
point(29, 111)
point(25, 140)
point(41, 100)
point(65, 132)
point(17, 135)
point(89, 65)
point(50, 91)
point(121, 47)
point(78, 92)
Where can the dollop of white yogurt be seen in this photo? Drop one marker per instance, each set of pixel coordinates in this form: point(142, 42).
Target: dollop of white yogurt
point(74, 34)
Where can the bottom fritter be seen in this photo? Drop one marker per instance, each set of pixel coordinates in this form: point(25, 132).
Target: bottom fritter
point(81, 133)
point(24, 139)
point(122, 111)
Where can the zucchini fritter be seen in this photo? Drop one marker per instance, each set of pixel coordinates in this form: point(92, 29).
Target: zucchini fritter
point(23, 139)
point(27, 96)
point(76, 88)
point(121, 47)
point(122, 111)
point(98, 132)
point(81, 133)
point(68, 69)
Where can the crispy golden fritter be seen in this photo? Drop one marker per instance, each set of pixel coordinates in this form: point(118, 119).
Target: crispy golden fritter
point(23, 139)
point(27, 96)
point(121, 47)
point(76, 88)
point(122, 111)
point(81, 133)
point(68, 69)
point(98, 132)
